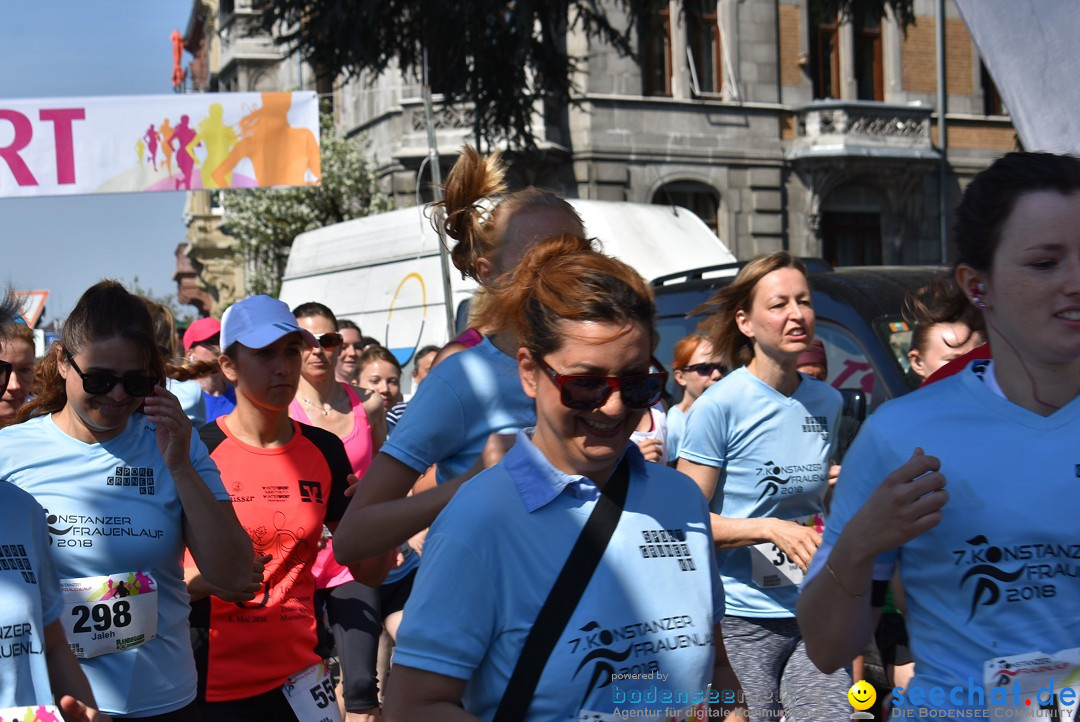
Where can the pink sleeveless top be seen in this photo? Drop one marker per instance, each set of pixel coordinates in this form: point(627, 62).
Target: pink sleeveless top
point(358, 447)
point(469, 337)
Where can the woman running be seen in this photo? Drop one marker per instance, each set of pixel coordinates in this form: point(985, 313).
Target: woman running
point(126, 486)
point(758, 443)
point(257, 658)
point(695, 368)
point(988, 562)
point(493, 556)
point(944, 326)
point(467, 398)
point(353, 611)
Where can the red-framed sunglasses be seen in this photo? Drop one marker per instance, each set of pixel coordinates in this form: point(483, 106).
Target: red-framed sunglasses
point(585, 392)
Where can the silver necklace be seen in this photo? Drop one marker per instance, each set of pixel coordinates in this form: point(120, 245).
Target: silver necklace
point(325, 409)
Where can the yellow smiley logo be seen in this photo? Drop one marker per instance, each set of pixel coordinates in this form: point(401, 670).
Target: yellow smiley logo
point(862, 695)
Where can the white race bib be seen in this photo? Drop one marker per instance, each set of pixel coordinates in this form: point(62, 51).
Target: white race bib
point(109, 614)
point(770, 568)
point(1034, 681)
point(36, 713)
point(311, 695)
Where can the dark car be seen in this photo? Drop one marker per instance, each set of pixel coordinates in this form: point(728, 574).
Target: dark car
point(858, 312)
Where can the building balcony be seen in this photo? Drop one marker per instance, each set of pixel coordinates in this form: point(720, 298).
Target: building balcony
point(240, 45)
point(836, 130)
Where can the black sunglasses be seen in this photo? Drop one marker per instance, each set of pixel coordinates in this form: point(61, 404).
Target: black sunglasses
point(706, 369)
point(98, 383)
point(5, 375)
point(329, 340)
point(583, 392)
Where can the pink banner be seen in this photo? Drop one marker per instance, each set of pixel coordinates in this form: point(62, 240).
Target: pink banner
point(65, 146)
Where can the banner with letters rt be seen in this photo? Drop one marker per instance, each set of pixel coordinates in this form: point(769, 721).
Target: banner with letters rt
point(131, 144)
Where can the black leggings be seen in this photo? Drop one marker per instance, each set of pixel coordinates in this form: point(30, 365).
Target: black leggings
point(355, 614)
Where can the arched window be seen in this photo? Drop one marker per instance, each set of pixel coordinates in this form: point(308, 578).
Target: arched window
point(700, 198)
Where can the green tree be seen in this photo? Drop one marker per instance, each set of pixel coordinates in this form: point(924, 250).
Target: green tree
point(498, 56)
point(264, 221)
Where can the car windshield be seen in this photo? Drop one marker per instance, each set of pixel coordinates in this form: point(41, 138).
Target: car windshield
point(896, 333)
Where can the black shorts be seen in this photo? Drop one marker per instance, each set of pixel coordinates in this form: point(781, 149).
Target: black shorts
point(892, 639)
point(270, 706)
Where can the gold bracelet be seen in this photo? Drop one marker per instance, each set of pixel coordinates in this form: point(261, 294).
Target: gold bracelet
point(840, 584)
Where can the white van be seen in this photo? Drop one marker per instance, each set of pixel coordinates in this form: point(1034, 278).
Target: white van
point(383, 272)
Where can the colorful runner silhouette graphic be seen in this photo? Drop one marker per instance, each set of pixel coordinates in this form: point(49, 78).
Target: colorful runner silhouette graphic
point(280, 154)
point(218, 139)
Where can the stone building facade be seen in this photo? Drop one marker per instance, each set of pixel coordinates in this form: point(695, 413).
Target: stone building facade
point(778, 128)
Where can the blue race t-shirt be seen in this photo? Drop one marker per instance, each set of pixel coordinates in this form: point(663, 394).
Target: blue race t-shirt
point(676, 427)
point(999, 576)
point(464, 399)
point(219, 405)
point(190, 395)
point(115, 522)
point(644, 624)
point(773, 452)
point(29, 600)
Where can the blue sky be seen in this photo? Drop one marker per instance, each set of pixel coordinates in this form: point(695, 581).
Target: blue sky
point(65, 48)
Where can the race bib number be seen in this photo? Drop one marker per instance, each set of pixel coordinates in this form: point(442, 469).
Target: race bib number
point(37, 713)
point(771, 568)
point(1035, 681)
point(311, 695)
point(114, 613)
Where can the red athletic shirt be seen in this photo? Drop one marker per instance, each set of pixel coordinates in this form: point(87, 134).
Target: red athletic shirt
point(959, 363)
point(282, 497)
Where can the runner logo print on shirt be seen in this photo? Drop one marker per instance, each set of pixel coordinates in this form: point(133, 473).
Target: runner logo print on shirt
point(667, 544)
point(1013, 573)
point(13, 558)
point(310, 491)
point(108, 614)
point(139, 477)
point(795, 475)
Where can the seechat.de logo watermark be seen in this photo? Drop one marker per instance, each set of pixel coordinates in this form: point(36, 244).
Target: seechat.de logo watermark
point(972, 701)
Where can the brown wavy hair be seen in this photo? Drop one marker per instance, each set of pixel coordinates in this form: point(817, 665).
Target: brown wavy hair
point(563, 279)
point(105, 310)
point(940, 301)
point(176, 367)
point(734, 348)
point(475, 199)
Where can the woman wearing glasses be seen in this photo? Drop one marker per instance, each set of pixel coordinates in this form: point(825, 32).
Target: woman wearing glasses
point(356, 416)
point(493, 556)
point(695, 368)
point(110, 455)
point(758, 443)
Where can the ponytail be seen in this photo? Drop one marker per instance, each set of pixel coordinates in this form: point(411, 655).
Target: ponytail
point(475, 203)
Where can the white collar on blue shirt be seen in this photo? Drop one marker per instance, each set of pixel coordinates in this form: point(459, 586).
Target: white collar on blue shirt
point(539, 483)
